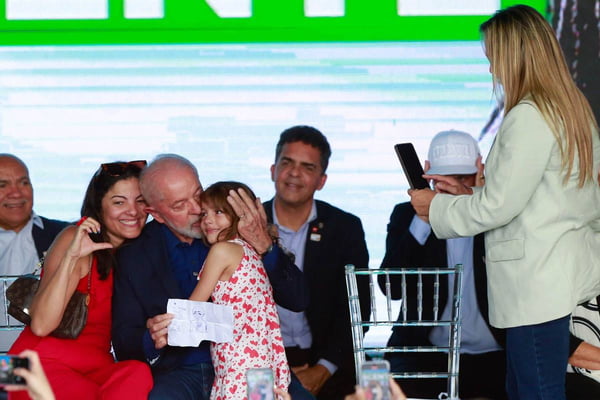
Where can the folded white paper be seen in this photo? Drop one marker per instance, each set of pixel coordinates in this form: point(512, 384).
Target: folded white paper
point(196, 321)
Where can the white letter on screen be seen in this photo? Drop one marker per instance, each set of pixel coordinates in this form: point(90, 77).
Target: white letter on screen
point(56, 9)
point(231, 8)
point(324, 8)
point(139, 9)
point(455, 7)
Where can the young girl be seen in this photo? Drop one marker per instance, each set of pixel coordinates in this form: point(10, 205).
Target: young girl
point(233, 274)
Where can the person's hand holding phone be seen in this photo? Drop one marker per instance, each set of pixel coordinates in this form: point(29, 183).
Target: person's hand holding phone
point(479, 176)
point(448, 185)
point(421, 200)
point(420, 191)
point(409, 160)
point(82, 243)
point(452, 185)
point(395, 392)
point(36, 383)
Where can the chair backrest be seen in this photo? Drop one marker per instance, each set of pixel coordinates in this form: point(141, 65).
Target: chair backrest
point(9, 327)
point(412, 314)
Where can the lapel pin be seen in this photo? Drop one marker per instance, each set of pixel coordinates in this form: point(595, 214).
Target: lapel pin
point(315, 236)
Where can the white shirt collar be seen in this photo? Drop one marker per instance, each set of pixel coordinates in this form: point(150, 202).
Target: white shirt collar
point(311, 217)
point(37, 220)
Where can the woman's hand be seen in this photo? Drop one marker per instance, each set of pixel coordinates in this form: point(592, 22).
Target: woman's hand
point(479, 176)
point(421, 200)
point(82, 245)
point(448, 185)
point(37, 387)
point(67, 261)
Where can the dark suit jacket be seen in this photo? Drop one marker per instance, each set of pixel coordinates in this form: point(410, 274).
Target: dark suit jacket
point(43, 238)
point(143, 282)
point(403, 250)
point(341, 242)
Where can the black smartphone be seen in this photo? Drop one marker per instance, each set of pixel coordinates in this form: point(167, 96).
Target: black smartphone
point(96, 237)
point(7, 365)
point(411, 165)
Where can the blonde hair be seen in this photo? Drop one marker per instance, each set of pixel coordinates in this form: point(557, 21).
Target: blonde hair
point(526, 60)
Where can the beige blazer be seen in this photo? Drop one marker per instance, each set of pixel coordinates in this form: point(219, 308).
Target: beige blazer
point(542, 236)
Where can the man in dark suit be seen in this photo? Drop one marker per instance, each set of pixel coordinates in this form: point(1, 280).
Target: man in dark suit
point(164, 263)
point(24, 236)
point(323, 240)
point(411, 243)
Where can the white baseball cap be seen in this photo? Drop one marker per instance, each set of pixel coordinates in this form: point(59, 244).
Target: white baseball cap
point(453, 153)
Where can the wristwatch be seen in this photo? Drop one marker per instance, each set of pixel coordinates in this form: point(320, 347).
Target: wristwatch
point(270, 248)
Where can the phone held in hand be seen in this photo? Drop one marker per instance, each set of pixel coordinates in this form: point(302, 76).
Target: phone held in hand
point(411, 165)
point(260, 384)
point(7, 365)
point(375, 379)
point(96, 237)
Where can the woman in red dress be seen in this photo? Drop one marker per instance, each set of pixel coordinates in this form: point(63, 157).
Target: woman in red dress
point(84, 368)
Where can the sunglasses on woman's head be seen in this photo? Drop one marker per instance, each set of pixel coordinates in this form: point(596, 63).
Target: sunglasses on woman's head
point(119, 168)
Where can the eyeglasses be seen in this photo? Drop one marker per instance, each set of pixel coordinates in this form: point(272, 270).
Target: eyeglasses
point(119, 168)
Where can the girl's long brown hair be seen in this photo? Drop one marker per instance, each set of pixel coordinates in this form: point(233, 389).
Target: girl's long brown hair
point(216, 196)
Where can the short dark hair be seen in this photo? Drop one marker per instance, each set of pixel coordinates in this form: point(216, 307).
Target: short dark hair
point(216, 196)
point(101, 183)
point(307, 135)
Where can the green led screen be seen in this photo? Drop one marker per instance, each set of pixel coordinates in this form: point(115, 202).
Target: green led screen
point(56, 22)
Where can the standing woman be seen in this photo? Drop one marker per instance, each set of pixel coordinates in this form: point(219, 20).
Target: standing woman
point(539, 207)
point(84, 368)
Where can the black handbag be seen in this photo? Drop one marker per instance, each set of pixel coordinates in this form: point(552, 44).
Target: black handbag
point(20, 295)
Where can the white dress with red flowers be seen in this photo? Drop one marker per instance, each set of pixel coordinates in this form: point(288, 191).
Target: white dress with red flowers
point(257, 341)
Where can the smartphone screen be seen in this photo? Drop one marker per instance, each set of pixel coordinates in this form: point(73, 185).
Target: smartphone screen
point(375, 379)
point(260, 384)
point(7, 365)
point(411, 165)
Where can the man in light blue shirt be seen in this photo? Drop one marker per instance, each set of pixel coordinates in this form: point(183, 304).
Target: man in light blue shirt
point(410, 242)
point(24, 235)
point(323, 239)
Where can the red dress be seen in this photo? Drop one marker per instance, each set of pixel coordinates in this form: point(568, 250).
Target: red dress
point(84, 368)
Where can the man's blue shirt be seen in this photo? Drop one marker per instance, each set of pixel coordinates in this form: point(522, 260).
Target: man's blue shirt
point(185, 260)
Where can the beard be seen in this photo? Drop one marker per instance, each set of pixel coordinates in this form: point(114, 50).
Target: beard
point(187, 231)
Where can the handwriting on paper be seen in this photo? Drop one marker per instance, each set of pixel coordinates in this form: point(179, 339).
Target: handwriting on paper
point(196, 321)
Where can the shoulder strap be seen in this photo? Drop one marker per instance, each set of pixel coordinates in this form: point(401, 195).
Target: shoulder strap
point(89, 274)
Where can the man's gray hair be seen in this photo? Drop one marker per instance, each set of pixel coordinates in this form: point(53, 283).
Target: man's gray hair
point(157, 166)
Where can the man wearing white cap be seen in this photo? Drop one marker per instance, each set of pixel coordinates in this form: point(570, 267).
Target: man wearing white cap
point(410, 242)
